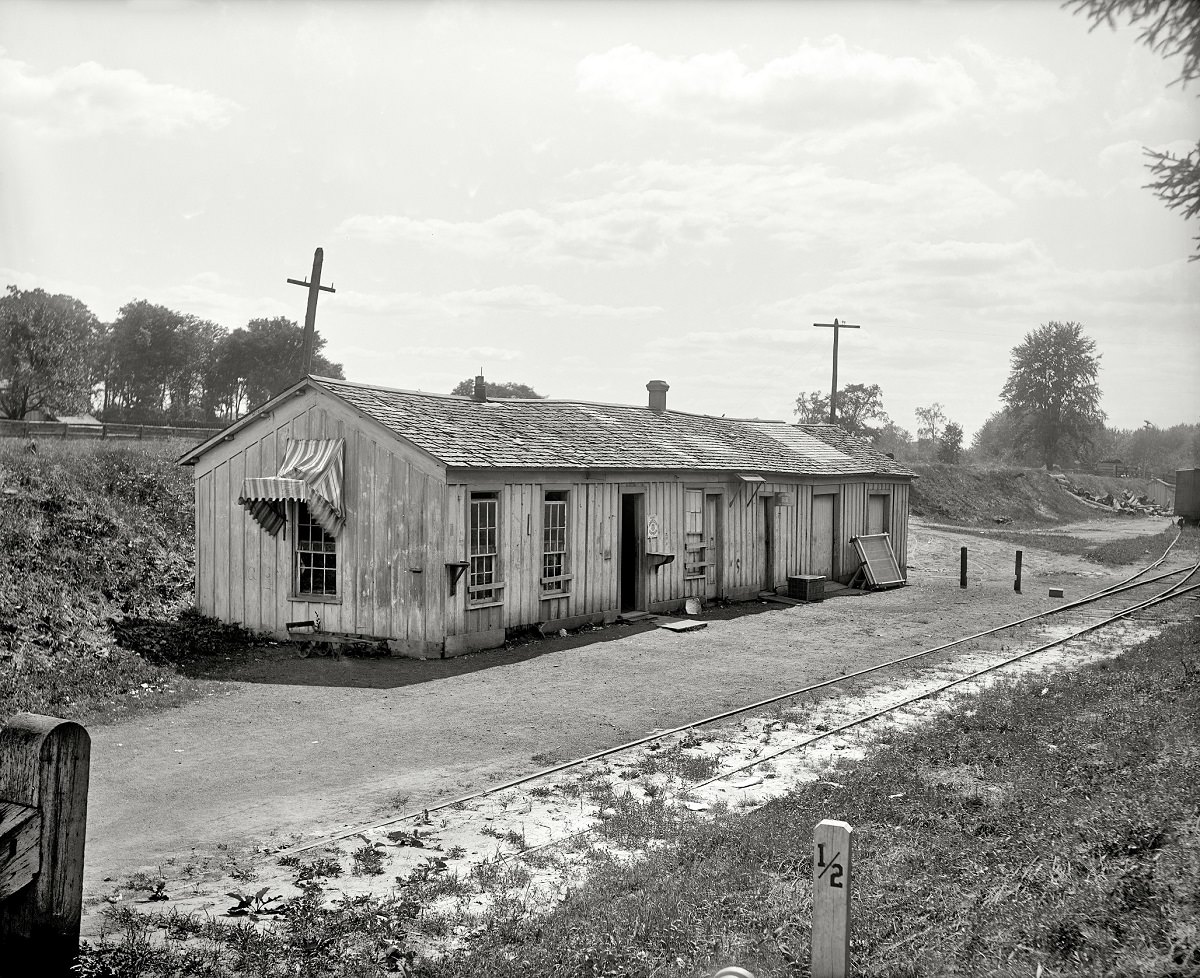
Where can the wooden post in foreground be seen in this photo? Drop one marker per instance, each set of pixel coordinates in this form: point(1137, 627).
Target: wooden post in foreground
point(1017, 579)
point(831, 900)
point(44, 765)
point(962, 567)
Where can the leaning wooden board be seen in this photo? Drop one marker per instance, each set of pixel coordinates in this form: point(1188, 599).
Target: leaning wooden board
point(878, 560)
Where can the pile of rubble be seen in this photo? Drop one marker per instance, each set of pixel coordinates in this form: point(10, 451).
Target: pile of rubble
point(1126, 502)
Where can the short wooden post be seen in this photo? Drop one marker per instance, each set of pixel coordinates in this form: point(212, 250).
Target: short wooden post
point(1017, 579)
point(44, 766)
point(831, 900)
point(962, 567)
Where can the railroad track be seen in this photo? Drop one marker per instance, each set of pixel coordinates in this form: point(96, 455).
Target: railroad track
point(1134, 598)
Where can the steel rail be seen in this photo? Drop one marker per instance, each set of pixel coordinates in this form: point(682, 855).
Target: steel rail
point(1164, 596)
point(1118, 588)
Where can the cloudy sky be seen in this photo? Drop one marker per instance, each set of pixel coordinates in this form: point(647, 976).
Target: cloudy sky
point(585, 196)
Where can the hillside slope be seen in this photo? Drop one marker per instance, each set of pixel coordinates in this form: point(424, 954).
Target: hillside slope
point(977, 496)
point(89, 533)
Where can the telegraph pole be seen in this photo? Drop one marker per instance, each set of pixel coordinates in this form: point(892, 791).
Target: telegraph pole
point(310, 316)
point(835, 326)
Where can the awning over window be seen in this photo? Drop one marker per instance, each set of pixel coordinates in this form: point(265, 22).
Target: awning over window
point(311, 473)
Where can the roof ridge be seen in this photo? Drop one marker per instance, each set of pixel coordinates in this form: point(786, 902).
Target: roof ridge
point(535, 400)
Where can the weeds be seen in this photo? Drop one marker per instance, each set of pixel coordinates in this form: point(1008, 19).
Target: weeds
point(368, 861)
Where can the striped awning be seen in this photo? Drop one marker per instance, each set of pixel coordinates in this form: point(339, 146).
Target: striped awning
point(311, 473)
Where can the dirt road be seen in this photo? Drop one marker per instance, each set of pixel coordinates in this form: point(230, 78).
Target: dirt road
point(311, 745)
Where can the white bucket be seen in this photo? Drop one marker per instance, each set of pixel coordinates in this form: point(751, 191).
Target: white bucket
point(692, 606)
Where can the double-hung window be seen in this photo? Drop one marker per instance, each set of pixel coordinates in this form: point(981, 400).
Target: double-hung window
point(316, 557)
point(693, 533)
point(554, 544)
point(483, 584)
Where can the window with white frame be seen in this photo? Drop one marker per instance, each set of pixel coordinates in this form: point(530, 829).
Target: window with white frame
point(693, 533)
point(554, 544)
point(483, 585)
point(315, 557)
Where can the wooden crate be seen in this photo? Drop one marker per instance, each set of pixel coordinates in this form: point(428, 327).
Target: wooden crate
point(806, 587)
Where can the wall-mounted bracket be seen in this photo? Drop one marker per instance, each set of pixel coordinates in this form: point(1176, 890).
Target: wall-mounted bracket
point(655, 561)
point(454, 572)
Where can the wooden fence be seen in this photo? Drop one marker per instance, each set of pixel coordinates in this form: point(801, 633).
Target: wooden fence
point(44, 764)
point(61, 429)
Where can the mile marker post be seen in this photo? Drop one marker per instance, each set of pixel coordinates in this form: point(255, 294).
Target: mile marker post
point(1017, 579)
point(831, 900)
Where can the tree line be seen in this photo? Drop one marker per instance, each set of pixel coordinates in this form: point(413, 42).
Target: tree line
point(150, 365)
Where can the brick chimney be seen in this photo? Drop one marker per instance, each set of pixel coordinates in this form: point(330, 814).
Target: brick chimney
point(480, 389)
point(658, 395)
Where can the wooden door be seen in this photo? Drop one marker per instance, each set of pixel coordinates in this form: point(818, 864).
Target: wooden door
point(822, 534)
point(768, 543)
point(712, 546)
point(877, 507)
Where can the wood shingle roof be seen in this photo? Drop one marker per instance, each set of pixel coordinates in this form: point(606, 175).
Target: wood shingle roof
point(511, 433)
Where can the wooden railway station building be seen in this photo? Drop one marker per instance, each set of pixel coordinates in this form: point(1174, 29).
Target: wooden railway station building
point(440, 522)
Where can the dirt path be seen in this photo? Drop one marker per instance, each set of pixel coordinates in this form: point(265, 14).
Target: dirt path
point(312, 745)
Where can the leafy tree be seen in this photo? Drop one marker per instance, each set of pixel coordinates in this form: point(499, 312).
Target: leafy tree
point(996, 440)
point(812, 408)
point(1169, 28)
point(858, 406)
point(930, 422)
point(950, 444)
point(893, 440)
point(505, 388)
point(252, 365)
point(1052, 390)
point(46, 347)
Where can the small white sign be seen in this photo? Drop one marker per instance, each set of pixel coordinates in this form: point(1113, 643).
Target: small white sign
point(651, 527)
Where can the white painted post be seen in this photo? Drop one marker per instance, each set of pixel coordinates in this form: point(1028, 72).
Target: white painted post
point(831, 900)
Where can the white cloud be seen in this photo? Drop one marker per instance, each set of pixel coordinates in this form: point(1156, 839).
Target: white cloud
point(818, 87)
point(651, 209)
point(88, 98)
point(1039, 185)
point(822, 92)
point(531, 299)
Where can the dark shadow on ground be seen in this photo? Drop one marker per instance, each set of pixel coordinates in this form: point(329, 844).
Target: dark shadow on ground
point(309, 664)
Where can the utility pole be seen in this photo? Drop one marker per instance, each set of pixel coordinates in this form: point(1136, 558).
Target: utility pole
point(310, 316)
point(835, 326)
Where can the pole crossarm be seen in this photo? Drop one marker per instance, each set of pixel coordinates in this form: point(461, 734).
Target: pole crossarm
point(308, 285)
point(836, 327)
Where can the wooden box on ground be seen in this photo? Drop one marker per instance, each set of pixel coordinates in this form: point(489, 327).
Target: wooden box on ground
point(806, 587)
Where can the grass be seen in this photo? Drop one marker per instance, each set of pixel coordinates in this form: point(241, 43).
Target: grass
point(1052, 822)
point(1114, 553)
point(96, 580)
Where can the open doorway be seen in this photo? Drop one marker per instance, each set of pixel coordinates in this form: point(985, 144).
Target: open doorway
point(631, 551)
point(768, 542)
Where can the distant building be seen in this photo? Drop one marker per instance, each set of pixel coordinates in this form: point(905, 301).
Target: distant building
point(1110, 466)
point(1161, 493)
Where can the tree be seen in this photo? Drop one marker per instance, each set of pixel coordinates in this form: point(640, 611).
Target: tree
point(930, 422)
point(1052, 390)
point(812, 408)
point(1168, 27)
point(506, 388)
point(949, 448)
point(996, 440)
point(46, 347)
point(858, 406)
point(893, 440)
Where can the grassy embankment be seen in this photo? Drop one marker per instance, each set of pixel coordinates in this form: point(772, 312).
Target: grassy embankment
point(93, 535)
point(1051, 823)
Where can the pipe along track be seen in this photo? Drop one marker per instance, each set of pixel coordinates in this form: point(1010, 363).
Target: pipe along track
point(1128, 584)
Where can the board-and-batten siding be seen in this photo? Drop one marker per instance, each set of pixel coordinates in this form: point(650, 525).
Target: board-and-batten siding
point(390, 562)
point(593, 542)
